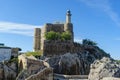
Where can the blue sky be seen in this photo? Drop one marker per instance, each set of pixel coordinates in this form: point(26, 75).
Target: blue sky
point(98, 20)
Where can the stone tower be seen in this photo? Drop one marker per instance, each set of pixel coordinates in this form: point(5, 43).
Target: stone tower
point(37, 39)
point(68, 26)
point(68, 16)
point(39, 33)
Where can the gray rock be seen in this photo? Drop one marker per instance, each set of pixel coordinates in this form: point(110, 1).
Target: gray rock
point(106, 67)
point(75, 63)
point(9, 74)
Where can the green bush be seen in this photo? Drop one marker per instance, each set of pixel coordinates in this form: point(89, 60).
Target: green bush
point(66, 36)
point(57, 36)
point(13, 60)
point(52, 35)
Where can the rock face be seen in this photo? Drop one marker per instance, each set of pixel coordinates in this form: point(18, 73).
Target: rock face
point(105, 67)
point(76, 63)
point(68, 64)
point(34, 69)
point(1, 72)
point(8, 71)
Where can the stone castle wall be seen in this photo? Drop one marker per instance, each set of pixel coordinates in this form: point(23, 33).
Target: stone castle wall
point(54, 27)
point(37, 39)
point(60, 47)
point(50, 27)
point(39, 35)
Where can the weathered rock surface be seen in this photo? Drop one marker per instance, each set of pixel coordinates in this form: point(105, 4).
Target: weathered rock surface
point(67, 64)
point(33, 69)
point(8, 71)
point(1, 72)
point(76, 63)
point(106, 67)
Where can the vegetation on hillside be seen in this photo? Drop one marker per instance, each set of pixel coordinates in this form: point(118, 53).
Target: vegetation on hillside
point(57, 36)
point(89, 42)
point(118, 61)
point(13, 60)
point(36, 54)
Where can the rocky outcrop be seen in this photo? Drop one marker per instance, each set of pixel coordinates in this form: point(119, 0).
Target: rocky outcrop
point(106, 67)
point(1, 71)
point(76, 63)
point(31, 67)
point(8, 71)
point(68, 64)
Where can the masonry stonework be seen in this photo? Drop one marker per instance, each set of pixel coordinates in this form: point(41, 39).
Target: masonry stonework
point(40, 43)
point(60, 47)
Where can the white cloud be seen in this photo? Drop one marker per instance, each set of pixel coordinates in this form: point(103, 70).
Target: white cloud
point(104, 5)
point(17, 28)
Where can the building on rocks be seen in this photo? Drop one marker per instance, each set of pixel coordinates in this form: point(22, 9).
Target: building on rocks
point(39, 33)
point(6, 53)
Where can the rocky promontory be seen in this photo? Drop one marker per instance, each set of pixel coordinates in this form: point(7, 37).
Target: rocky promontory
point(76, 63)
point(91, 61)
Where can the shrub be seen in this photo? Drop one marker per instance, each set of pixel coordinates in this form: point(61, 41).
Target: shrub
point(66, 35)
point(88, 42)
point(57, 36)
point(52, 35)
point(13, 60)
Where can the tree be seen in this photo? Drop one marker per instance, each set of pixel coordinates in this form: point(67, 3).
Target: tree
point(88, 42)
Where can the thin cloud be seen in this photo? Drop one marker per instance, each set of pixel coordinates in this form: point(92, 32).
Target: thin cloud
point(104, 5)
point(78, 40)
point(17, 28)
point(117, 39)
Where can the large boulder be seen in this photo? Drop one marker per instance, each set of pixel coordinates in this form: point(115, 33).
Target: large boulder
point(69, 64)
point(106, 67)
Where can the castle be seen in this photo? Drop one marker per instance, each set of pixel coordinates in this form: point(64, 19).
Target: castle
point(39, 33)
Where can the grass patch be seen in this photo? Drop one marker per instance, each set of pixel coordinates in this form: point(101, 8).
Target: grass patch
point(13, 60)
point(38, 53)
